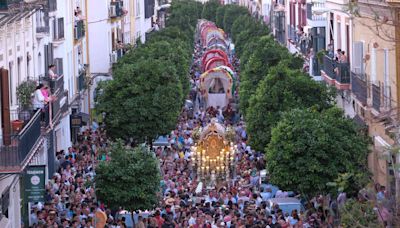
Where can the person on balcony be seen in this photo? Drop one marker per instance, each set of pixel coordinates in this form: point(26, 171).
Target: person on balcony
point(330, 50)
point(38, 99)
point(51, 72)
point(343, 57)
point(47, 97)
point(338, 54)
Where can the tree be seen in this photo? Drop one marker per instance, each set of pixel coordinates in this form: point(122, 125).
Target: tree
point(359, 215)
point(232, 12)
point(219, 17)
point(309, 149)
point(184, 14)
point(265, 54)
point(175, 52)
point(210, 10)
point(130, 180)
point(281, 90)
point(142, 101)
point(247, 33)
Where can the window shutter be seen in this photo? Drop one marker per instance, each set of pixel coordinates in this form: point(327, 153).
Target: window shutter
point(386, 82)
point(358, 57)
point(60, 28)
point(55, 35)
point(59, 66)
point(46, 59)
point(373, 65)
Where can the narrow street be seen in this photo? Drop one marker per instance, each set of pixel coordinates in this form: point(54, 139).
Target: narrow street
point(199, 114)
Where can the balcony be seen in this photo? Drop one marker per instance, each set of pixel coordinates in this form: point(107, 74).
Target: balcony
point(79, 30)
point(82, 80)
point(42, 31)
point(18, 147)
point(376, 97)
point(316, 13)
point(56, 85)
point(5, 4)
point(335, 73)
point(116, 9)
point(359, 87)
point(59, 106)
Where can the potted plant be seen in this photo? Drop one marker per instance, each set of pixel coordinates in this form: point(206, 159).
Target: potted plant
point(320, 56)
point(25, 91)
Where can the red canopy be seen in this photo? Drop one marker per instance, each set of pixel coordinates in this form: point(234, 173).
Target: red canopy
point(215, 62)
point(213, 53)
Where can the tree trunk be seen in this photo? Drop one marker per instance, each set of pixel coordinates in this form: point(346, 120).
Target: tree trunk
point(133, 219)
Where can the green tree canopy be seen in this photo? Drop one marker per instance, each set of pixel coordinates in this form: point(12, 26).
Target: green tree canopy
point(281, 90)
point(130, 180)
point(174, 52)
point(184, 14)
point(309, 149)
point(210, 10)
point(264, 54)
point(232, 12)
point(359, 215)
point(219, 17)
point(142, 101)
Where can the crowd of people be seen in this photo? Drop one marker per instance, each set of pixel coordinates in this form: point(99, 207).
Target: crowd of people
point(70, 199)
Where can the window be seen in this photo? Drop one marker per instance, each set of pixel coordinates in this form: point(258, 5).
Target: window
point(373, 65)
point(358, 57)
point(58, 28)
point(11, 87)
point(4, 203)
point(58, 62)
point(48, 57)
point(137, 8)
point(148, 8)
point(386, 82)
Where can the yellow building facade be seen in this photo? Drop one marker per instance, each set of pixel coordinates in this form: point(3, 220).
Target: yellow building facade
point(375, 74)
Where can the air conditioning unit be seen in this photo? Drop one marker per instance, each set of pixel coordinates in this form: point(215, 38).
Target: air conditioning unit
point(113, 11)
point(114, 57)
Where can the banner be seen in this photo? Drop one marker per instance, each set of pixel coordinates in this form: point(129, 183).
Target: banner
point(34, 181)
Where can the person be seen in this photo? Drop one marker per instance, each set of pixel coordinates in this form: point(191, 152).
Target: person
point(343, 57)
point(51, 72)
point(380, 196)
point(265, 194)
point(338, 54)
point(140, 223)
point(38, 99)
point(95, 125)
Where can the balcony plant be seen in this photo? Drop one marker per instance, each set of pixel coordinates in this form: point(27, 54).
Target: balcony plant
point(25, 92)
point(320, 56)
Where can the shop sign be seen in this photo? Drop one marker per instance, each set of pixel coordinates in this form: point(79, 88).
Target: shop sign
point(76, 121)
point(34, 181)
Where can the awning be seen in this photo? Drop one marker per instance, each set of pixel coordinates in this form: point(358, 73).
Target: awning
point(163, 7)
point(161, 141)
point(85, 117)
